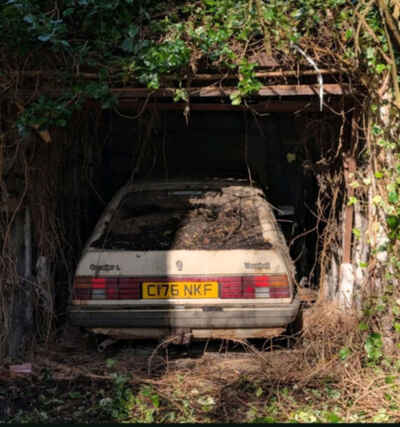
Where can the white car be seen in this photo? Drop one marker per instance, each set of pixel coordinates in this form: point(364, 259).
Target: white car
point(200, 259)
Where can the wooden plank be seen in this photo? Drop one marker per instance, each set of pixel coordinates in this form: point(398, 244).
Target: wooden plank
point(261, 107)
point(258, 74)
point(212, 91)
point(51, 75)
point(293, 90)
point(132, 93)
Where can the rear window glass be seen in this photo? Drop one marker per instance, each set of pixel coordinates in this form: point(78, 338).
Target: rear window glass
point(185, 219)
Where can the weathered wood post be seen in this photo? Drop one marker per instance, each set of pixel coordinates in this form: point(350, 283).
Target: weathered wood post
point(346, 274)
point(21, 313)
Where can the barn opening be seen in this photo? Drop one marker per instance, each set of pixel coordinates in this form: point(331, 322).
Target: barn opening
point(280, 140)
point(286, 147)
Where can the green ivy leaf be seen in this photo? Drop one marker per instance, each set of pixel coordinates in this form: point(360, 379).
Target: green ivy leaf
point(380, 68)
point(331, 417)
point(264, 420)
point(236, 98)
point(348, 34)
point(352, 201)
point(362, 326)
point(390, 379)
point(344, 353)
point(393, 197)
point(396, 310)
point(376, 130)
point(373, 346)
point(392, 221)
point(155, 400)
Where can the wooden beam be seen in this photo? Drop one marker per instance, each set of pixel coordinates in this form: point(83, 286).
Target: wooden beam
point(213, 91)
point(258, 74)
point(293, 90)
point(287, 106)
point(136, 93)
point(196, 77)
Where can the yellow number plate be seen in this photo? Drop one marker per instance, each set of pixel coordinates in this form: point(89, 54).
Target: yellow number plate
point(180, 290)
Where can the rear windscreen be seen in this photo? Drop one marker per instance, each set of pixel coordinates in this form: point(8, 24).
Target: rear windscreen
point(185, 219)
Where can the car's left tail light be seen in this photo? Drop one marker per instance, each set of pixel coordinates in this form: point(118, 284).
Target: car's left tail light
point(100, 288)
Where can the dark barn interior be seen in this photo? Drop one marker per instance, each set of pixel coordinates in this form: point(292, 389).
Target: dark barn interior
point(275, 150)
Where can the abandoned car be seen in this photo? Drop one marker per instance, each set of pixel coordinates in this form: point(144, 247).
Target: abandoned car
point(186, 259)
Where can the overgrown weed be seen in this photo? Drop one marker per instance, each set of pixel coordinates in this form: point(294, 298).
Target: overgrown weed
point(329, 375)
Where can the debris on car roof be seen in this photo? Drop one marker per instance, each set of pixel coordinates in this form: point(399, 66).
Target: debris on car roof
point(212, 219)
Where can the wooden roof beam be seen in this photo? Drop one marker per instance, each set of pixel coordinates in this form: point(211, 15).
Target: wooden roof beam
point(288, 106)
point(51, 74)
point(213, 91)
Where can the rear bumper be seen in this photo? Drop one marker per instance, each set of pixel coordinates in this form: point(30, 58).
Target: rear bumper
point(193, 318)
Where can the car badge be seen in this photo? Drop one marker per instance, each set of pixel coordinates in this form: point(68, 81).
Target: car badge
point(179, 265)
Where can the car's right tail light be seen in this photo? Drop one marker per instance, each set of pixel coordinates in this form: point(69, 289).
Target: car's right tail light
point(260, 286)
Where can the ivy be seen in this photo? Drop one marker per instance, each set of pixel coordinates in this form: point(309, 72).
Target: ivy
point(161, 59)
point(148, 39)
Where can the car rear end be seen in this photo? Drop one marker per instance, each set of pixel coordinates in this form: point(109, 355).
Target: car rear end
point(192, 259)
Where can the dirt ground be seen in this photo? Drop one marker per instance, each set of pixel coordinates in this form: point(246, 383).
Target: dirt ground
point(72, 382)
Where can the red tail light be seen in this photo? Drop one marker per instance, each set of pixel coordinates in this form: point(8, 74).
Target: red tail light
point(231, 287)
point(100, 288)
point(129, 288)
point(267, 286)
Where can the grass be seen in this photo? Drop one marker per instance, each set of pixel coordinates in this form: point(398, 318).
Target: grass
point(326, 377)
